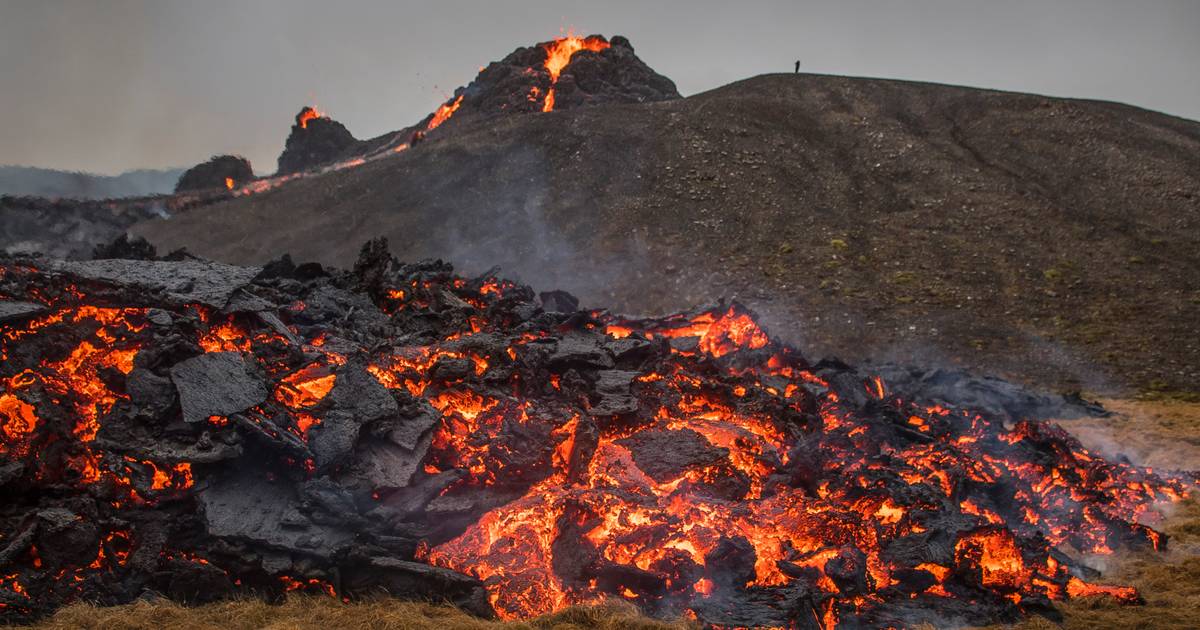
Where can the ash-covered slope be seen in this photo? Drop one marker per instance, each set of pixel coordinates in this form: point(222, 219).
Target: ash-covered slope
point(1051, 239)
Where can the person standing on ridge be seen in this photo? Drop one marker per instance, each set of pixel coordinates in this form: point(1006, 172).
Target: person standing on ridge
point(797, 66)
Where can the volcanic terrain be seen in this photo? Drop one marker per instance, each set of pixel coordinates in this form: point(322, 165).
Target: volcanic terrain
point(1052, 240)
point(201, 431)
point(178, 427)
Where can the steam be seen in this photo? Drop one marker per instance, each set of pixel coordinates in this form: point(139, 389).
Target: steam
point(517, 234)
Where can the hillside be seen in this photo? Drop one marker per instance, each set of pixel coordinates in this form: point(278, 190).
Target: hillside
point(27, 180)
point(1055, 241)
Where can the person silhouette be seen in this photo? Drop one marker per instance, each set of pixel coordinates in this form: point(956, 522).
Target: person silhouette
point(797, 66)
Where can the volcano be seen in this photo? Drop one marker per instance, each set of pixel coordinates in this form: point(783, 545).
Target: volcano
point(200, 431)
point(1058, 236)
point(560, 74)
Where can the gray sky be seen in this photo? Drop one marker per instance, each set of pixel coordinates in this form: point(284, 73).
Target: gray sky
point(109, 85)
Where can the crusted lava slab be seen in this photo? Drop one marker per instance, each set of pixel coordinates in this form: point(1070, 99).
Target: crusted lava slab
point(200, 431)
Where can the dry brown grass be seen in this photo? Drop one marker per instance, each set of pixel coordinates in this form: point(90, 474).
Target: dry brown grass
point(1164, 434)
point(1170, 584)
point(1161, 434)
point(323, 613)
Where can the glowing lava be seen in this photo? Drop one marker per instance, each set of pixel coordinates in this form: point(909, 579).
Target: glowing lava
point(558, 56)
point(687, 464)
point(443, 114)
point(307, 114)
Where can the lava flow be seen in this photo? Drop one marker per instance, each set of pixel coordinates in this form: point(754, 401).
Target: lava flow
point(753, 476)
point(254, 432)
point(558, 55)
point(443, 113)
point(307, 114)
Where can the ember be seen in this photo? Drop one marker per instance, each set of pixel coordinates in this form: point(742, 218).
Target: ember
point(205, 431)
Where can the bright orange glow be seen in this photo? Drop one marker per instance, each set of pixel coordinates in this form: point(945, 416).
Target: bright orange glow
point(17, 422)
point(1078, 588)
point(443, 114)
point(772, 462)
point(618, 331)
point(995, 552)
point(229, 183)
point(560, 51)
point(307, 114)
point(303, 388)
point(310, 585)
point(177, 477)
point(225, 337)
point(558, 56)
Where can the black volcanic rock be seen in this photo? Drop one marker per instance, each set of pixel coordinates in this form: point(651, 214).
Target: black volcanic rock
point(216, 384)
point(14, 310)
point(520, 81)
point(220, 171)
point(316, 139)
point(666, 455)
point(125, 247)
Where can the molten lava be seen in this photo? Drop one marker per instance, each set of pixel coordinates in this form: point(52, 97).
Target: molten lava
point(558, 56)
point(307, 114)
point(691, 464)
point(443, 113)
point(664, 532)
point(17, 422)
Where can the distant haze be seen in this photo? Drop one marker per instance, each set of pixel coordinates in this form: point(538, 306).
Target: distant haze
point(107, 86)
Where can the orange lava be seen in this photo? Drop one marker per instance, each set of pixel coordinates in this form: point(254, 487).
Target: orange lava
point(622, 516)
point(558, 56)
point(304, 388)
point(803, 483)
point(307, 114)
point(443, 114)
point(17, 421)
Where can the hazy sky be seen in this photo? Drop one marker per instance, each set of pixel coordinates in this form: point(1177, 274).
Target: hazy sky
point(109, 85)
